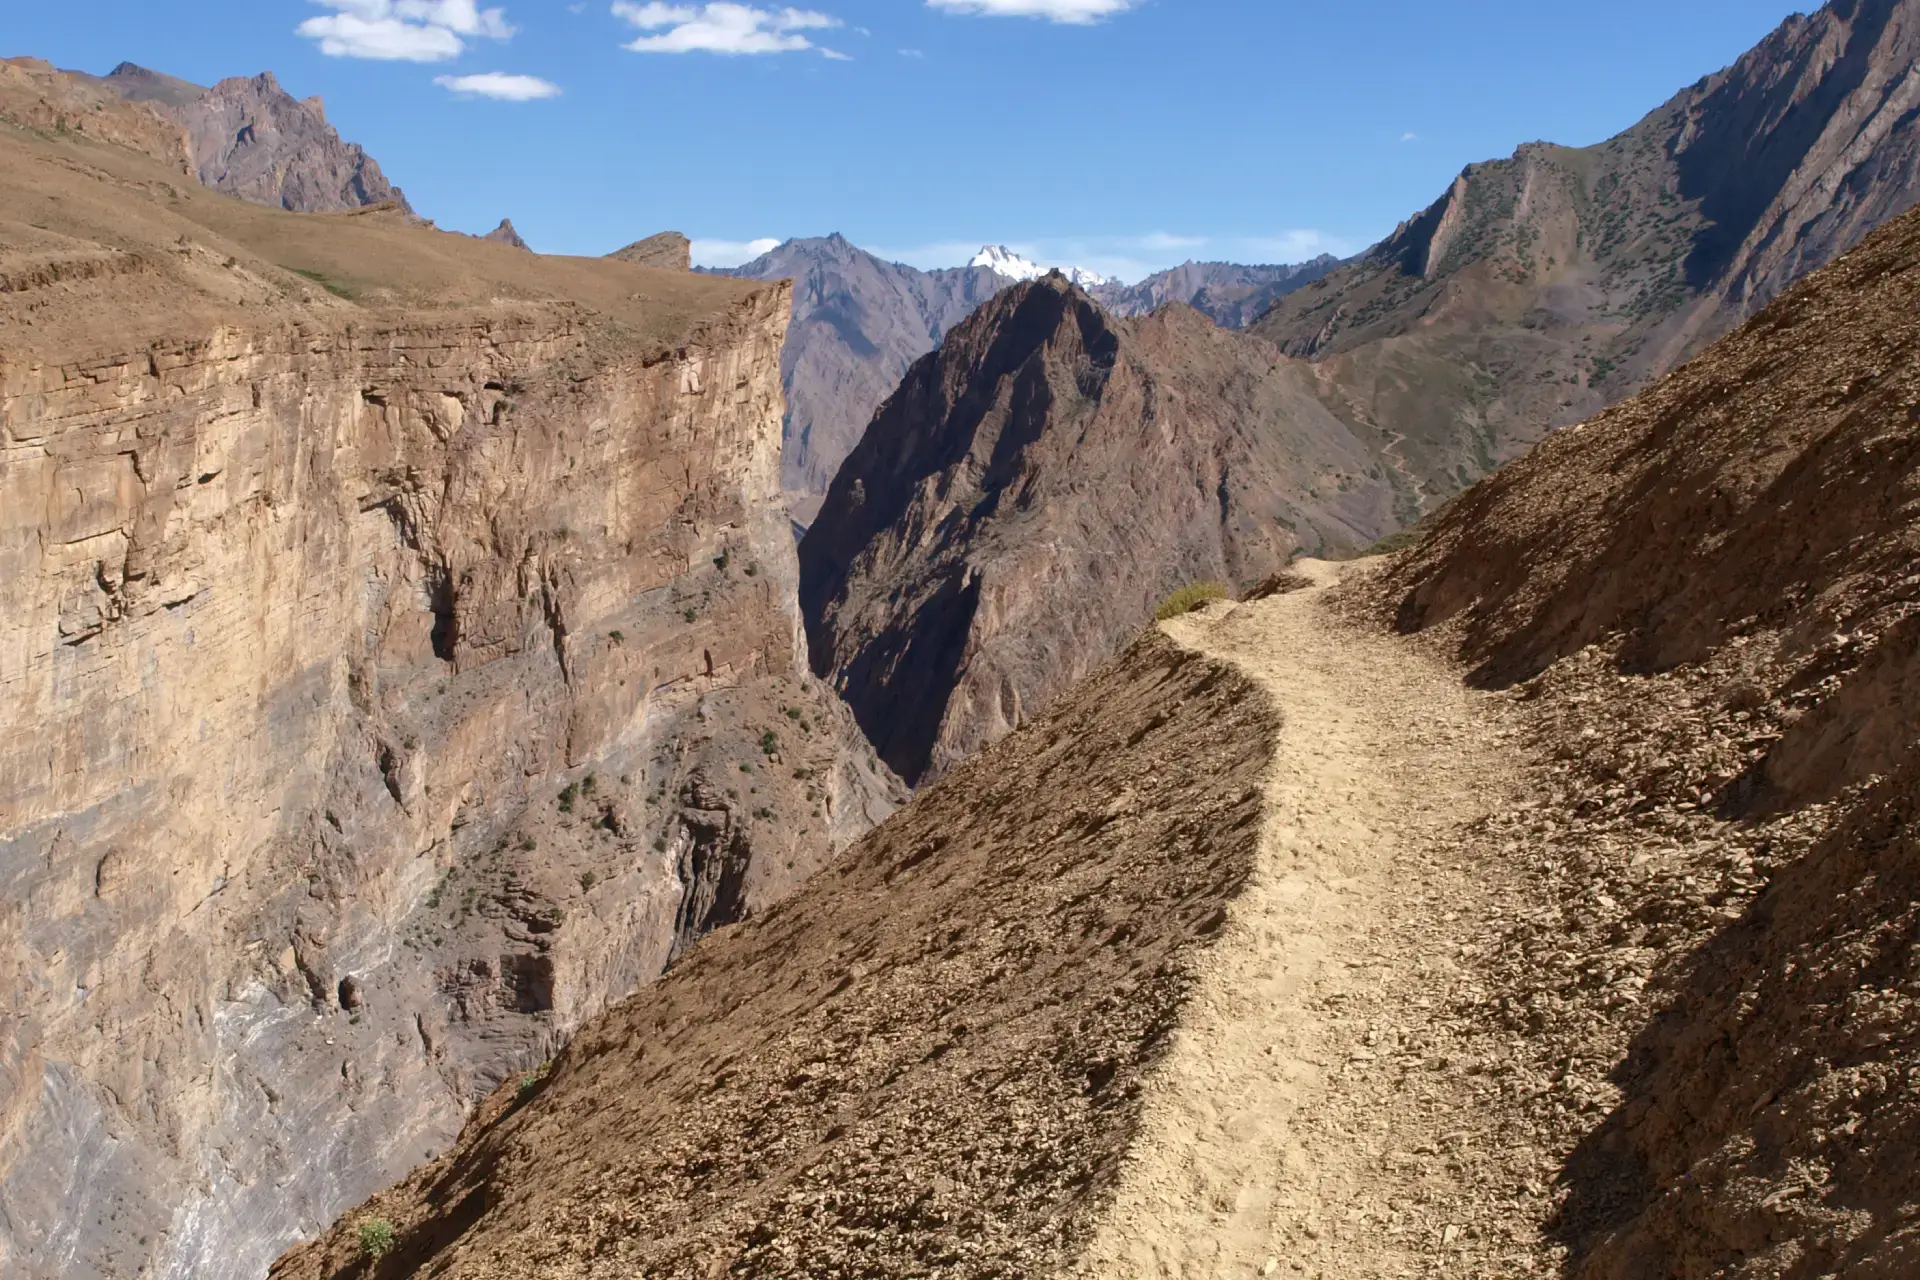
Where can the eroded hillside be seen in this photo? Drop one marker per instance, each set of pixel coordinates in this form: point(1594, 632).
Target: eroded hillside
point(1710, 593)
point(929, 1060)
point(1036, 486)
point(398, 664)
point(1542, 288)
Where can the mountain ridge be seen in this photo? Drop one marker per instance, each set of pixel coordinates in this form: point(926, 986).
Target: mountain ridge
point(1541, 288)
point(861, 321)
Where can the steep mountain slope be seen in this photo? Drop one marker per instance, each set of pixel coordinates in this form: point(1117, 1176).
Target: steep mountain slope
point(927, 1062)
point(398, 664)
point(1231, 295)
point(1540, 289)
point(250, 138)
point(1018, 507)
point(1710, 593)
point(858, 323)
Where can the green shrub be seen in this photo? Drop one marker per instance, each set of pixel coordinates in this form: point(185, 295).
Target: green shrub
point(1191, 597)
point(376, 1237)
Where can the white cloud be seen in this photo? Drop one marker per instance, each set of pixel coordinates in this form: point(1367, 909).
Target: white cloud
point(912, 53)
point(721, 27)
point(499, 85)
point(1076, 11)
point(730, 253)
point(1294, 246)
point(1409, 136)
point(403, 30)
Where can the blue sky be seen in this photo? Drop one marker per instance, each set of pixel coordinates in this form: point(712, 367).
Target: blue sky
point(1122, 135)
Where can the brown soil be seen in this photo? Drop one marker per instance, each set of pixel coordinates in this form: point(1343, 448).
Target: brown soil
point(929, 1061)
point(95, 180)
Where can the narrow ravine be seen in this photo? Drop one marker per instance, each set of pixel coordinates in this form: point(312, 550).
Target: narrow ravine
point(1314, 1114)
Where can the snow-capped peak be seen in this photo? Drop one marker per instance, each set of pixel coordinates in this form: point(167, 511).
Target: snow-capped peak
point(1003, 261)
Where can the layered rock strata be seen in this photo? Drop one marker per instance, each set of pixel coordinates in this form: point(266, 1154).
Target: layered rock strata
point(391, 677)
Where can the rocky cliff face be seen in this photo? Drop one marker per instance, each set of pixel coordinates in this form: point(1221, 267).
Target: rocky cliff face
point(1540, 289)
point(250, 138)
point(1227, 293)
point(1711, 589)
point(669, 251)
point(858, 323)
point(945, 1085)
point(1034, 488)
point(390, 679)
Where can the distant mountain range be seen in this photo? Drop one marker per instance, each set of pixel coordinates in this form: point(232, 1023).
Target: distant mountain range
point(1003, 261)
point(859, 322)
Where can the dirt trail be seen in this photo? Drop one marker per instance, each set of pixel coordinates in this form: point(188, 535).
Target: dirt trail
point(1315, 1114)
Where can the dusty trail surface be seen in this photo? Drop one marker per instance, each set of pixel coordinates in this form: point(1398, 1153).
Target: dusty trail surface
point(1319, 1111)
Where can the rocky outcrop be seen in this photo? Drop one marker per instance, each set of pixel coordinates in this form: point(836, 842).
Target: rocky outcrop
point(942, 1086)
point(1227, 293)
point(669, 251)
point(1035, 487)
point(250, 138)
point(1710, 593)
point(386, 688)
point(1542, 288)
point(505, 234)
point(858, 324)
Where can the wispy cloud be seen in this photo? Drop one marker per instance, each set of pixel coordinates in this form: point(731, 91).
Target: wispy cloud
point(730, 253)
point(403, 30)
point(721, 27)
point(1409, 136)
point(1300, 245)
point(500, 86)
point(912, 53)
point(1074, 11)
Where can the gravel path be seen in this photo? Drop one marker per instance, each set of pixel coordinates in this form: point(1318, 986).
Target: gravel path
point(1317, 1114)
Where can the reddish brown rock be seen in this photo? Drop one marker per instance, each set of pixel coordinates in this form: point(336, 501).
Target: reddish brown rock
point(1037, 486)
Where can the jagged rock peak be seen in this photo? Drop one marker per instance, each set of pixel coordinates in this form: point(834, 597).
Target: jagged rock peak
point(505, 234)
point(669, 251)
point(1048, 441)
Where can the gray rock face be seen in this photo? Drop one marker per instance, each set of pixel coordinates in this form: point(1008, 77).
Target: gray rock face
point(505, 234)
point(859, 322)
point(251, 138)
point(1227, 293)
point(1542, 288)
point(1034, 489)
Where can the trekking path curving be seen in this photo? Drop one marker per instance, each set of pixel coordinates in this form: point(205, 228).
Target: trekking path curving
point(1315, 1114)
